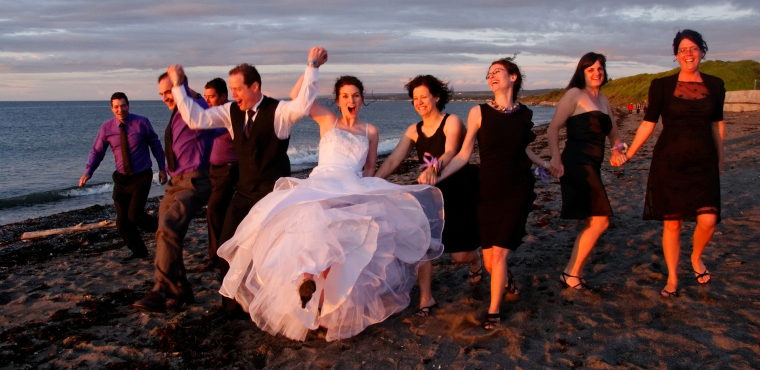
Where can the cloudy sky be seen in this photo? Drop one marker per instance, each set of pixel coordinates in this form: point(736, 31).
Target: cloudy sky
point(87, 49)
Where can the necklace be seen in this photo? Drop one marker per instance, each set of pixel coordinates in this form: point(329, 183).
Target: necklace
point(508, 110)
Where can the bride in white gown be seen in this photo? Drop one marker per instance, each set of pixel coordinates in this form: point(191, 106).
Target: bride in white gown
point(358, 238)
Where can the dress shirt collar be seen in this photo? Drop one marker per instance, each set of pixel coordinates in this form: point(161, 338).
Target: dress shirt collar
point(255, 107)
point(117, 123)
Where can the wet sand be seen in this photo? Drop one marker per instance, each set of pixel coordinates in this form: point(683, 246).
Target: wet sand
point(63, 299)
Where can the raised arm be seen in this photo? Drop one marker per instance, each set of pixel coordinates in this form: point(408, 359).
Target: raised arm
point(197, 117)
point(324, 117)
point(401, 151)
point(463, 157)
point(289, 112)
point(374, 136)
point(565, 109)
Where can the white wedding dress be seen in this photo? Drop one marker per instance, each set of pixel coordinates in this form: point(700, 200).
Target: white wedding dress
point(369, 233)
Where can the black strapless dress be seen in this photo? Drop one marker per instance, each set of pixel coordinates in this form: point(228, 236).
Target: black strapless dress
point(583, 193)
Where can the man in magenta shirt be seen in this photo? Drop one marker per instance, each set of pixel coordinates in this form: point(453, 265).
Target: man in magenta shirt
point(129, 136)
point(223, 173)
point(187, 155)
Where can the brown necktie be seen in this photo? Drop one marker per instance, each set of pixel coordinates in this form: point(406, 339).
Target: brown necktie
point(125, 149)
point(170, 160)
point(249, 124)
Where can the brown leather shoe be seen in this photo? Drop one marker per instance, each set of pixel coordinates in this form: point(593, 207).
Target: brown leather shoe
point(153, 302)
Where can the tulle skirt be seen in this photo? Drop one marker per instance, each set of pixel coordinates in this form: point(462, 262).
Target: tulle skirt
point(361, 238)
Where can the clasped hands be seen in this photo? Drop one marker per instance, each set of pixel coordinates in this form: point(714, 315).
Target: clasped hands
point(177, 73)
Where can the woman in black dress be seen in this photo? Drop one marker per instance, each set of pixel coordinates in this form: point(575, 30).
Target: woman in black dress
point(684, 177)
point(589, 120)
point(503, 130)
point(441, 135)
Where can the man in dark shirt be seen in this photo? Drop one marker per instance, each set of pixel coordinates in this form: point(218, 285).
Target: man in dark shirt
point(129, 137)
point(223, 172)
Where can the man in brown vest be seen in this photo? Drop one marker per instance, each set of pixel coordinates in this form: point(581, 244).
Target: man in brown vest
point(260, 130)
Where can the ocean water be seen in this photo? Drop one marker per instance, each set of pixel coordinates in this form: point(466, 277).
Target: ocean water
point(44, 148)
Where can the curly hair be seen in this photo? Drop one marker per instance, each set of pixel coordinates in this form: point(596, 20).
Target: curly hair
point(439, 89)
point(348, 80)
point(692, 36)
point(512, 69)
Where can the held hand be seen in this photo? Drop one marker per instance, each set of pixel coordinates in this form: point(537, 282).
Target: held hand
point(162, 179)
point(556, 168)
point(617, 158)
point(318, 54)
point(83, 180)
point(427, 177)
point(176, 73)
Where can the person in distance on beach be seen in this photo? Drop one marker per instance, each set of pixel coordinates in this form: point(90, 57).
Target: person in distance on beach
point(222, 172)
point(129, 136)
point(502, 128)
point(339, 249)
point(260, 130)
point(589, 119)
point(684, 177)
point(187, 153)
point(441, 136)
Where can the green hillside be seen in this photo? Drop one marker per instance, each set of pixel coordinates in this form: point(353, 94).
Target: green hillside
point(739, 75)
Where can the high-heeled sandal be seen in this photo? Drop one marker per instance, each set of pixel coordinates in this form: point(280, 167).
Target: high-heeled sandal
point(306, 289)
point(492, 321)
point(511, 287)
point(426, 311)
point(581, 282)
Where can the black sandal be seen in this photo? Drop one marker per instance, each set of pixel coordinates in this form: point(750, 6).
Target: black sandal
point(426, 311)
point(581, 282)
point(704, 274)
point(306, 289)
point(476, 274)
point(667, 294)
point(511, 287)
point(492, 321)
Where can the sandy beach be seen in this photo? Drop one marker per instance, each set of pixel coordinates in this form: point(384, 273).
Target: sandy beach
point(64, 299)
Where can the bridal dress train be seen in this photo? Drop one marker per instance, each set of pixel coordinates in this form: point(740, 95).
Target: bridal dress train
point(369, 233)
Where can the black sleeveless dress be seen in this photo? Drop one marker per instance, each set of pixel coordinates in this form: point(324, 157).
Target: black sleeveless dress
point(460, 195)
point(506, 182)
point(583, 193)
point(684, 177)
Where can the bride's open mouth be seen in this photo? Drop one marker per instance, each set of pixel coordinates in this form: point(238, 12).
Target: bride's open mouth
point(351, 109)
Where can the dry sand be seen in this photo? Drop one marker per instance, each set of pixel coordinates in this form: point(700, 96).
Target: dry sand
point(63, 300)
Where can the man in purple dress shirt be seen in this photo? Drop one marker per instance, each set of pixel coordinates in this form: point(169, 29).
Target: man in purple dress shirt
point(223, 172)
point(133, 175)
point(187, 155)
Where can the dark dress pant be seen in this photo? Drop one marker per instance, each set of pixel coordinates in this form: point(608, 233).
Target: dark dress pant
point(241, 204)
point(130, 192)
point(223, 180)
point(185, 195)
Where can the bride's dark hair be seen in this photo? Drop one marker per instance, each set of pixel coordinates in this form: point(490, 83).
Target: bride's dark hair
point(348, 80)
